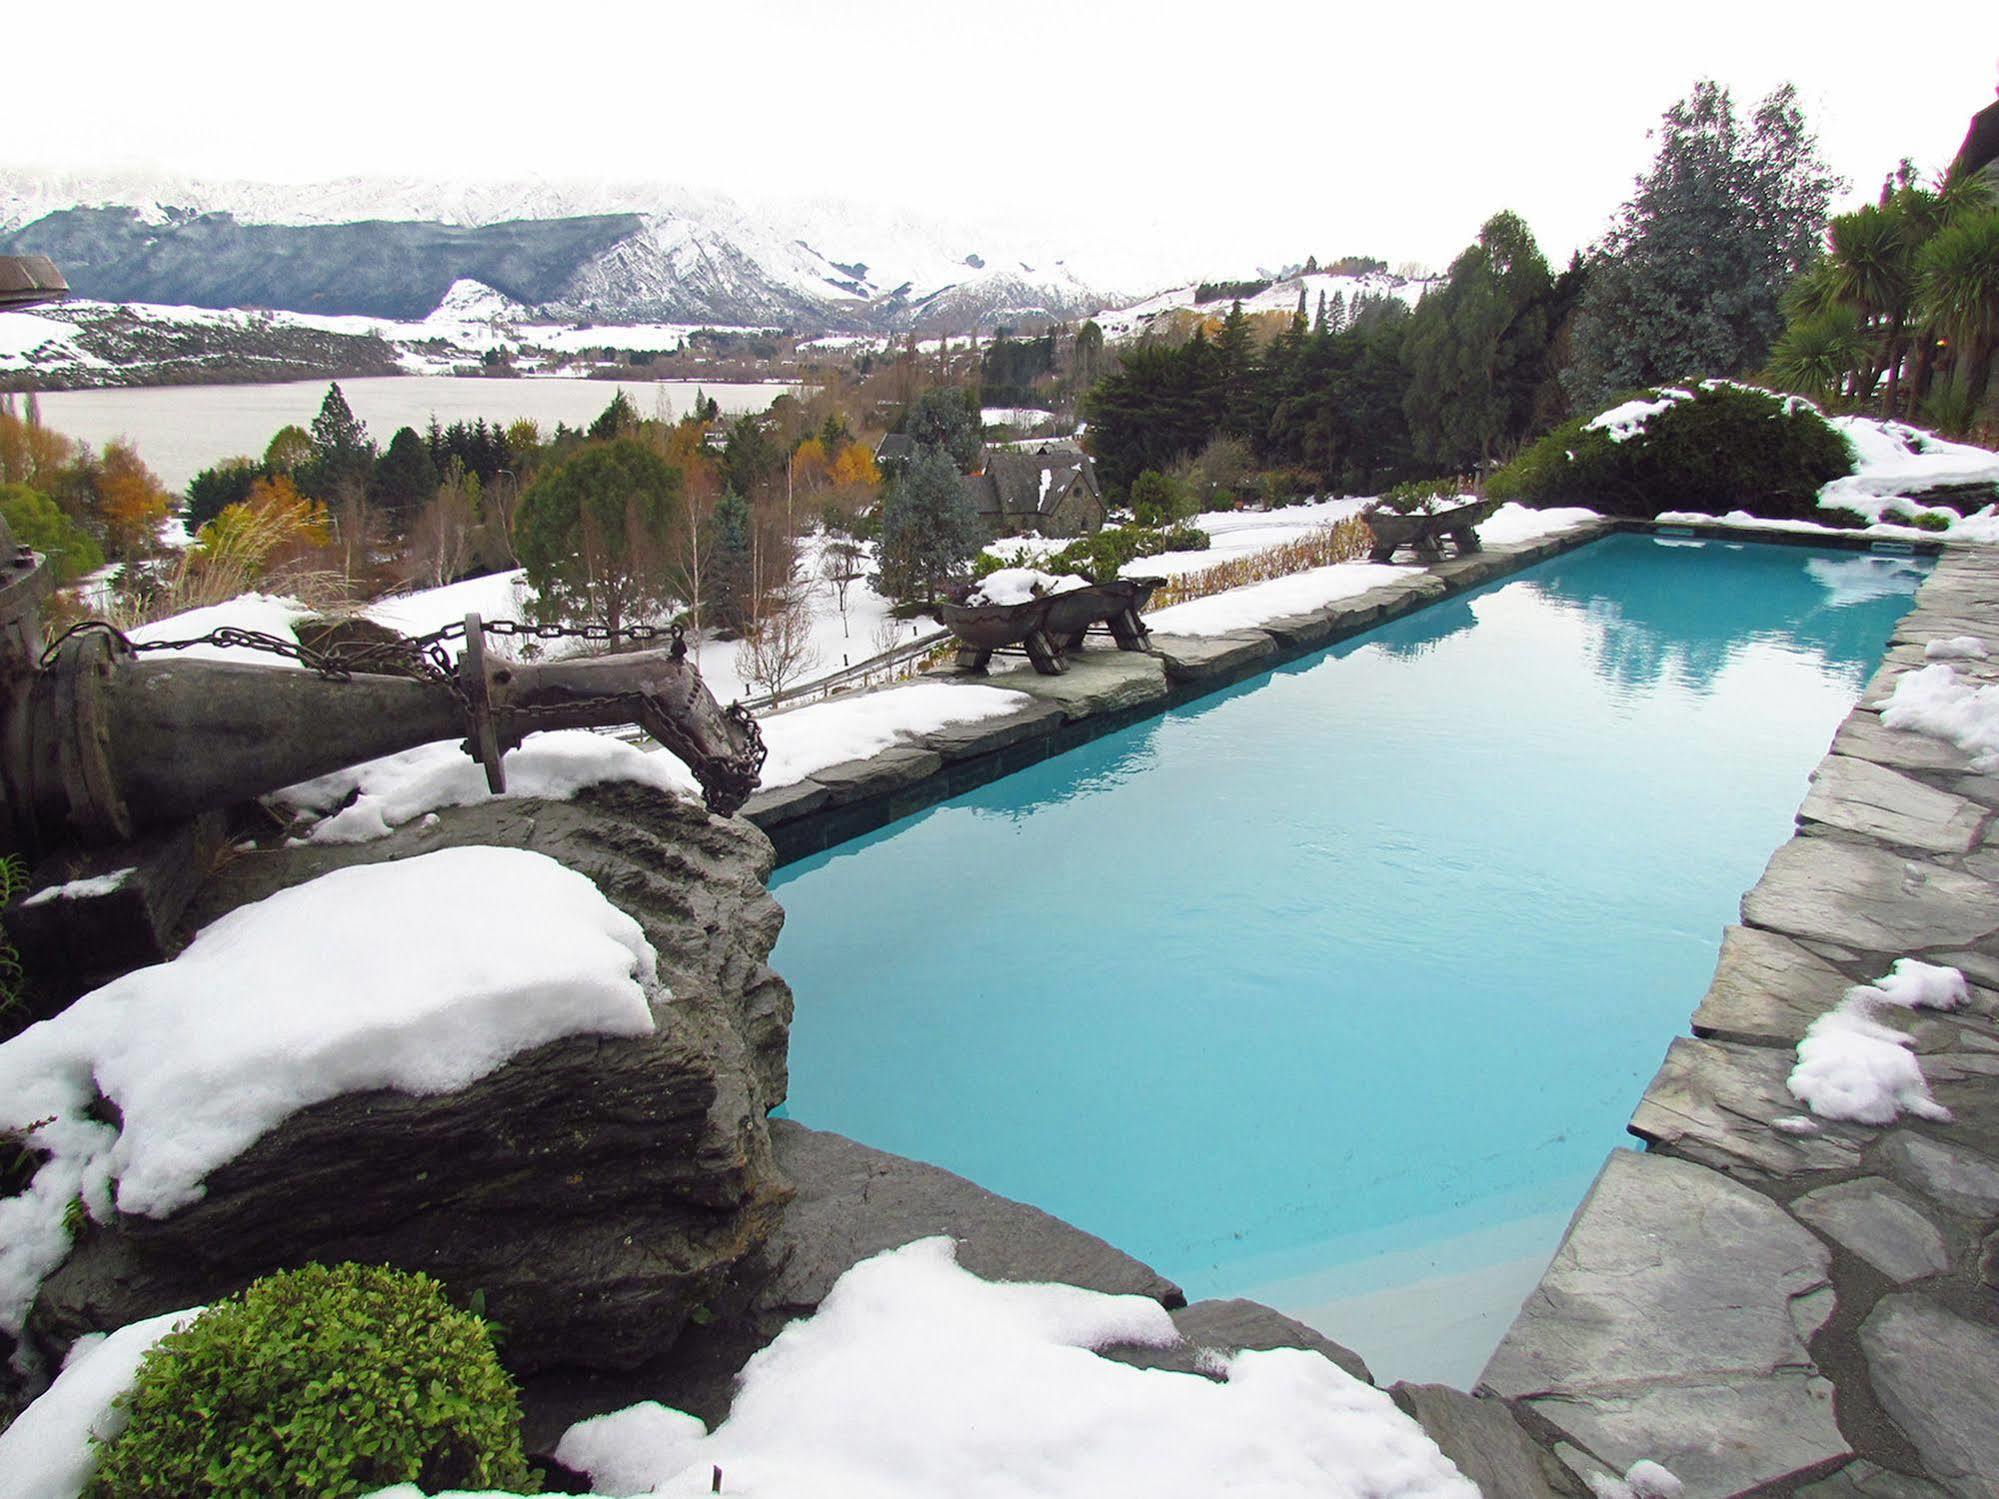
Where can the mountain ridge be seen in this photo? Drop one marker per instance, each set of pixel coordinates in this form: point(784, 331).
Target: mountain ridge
point(595, 250)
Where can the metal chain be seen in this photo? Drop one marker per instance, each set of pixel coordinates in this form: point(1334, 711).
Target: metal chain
point(427, 656)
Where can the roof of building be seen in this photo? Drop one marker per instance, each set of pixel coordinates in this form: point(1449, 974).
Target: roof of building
point(1035, 483)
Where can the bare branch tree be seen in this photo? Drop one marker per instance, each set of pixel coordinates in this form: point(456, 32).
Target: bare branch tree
point(777, 647)
point(840, 563)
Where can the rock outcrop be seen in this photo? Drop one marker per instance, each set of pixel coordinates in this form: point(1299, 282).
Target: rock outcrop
point(594, 1194)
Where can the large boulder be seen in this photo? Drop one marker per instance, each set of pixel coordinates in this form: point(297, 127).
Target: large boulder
point(593, 1194)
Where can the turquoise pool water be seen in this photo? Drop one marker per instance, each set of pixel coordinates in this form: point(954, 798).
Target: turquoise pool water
point(1334, 989)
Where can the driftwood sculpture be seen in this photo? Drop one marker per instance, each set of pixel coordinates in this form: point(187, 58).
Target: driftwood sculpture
point(1049, 627)
point(1426, 533)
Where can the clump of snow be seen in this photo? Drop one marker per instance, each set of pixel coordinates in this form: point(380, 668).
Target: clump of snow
point(1246, 608)
point(626, 1451)
point(267, 614)
point(803, 740)
point(50, 1450)
point(85, 889)
point(1644, 1479)
point(276, 1007)
point(1894, 464)
point(1957, 648)
point(371, 800)
point(1622, 423)
point(1017, 585)
point(1512, 523)
point(1851, 1066)
point(1934, 700)
point(916, 1378)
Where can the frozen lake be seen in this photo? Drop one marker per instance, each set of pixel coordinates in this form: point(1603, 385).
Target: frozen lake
point(182, 429)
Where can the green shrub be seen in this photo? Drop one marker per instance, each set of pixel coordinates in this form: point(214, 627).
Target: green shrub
point(1841, 517)
point(36, 521)
point(1411, 495)
point(1728, 448)
point(1100, 556)
point(319, 1381)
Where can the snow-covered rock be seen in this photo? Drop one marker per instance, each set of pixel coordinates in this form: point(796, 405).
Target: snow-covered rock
point(444, 1050)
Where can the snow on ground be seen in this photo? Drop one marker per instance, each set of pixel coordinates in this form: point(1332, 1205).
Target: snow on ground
point(495, 596)
point(916, 1378)
point(1246, 608)
point(1512, 524)
point(803, 740)
point(264, 613)
point(1935, 700)
point(1014, 416)
point(399, 788)
point(1279, 297)
point(1894, 462)
point(1851, 1066)
point(276, 1007)
point(48, 1452)
point(22, 333)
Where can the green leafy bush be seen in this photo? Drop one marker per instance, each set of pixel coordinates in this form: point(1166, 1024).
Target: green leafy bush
point(1100, 556)
point(1726, 448)
point(319, 1381)
point(1412, 495)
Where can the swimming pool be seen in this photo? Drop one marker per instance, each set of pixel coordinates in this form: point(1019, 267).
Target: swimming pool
point(1333, 989)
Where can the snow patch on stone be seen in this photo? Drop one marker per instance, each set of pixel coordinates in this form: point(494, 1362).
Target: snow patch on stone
point(1853, 1067)
point(277, 1006)
point(916, 1378)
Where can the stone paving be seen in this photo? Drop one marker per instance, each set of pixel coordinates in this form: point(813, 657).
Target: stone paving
point(1811, 1314)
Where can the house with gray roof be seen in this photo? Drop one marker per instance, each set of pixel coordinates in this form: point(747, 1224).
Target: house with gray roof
point(1050, 492)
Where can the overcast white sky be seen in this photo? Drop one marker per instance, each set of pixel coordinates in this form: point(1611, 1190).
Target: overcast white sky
point(1236, 132)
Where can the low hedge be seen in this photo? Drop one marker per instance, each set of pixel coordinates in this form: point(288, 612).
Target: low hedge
point(1726, 448)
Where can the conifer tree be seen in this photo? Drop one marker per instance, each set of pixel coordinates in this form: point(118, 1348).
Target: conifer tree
point(1688, 280)
point(930, 528)
point(342, 455)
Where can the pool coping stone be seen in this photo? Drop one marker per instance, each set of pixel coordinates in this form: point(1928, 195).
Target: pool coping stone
point(1895, 854)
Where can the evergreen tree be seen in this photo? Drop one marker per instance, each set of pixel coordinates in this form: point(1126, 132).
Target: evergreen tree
point(1475, 349)
point(1235, 361)
point(749, 458)
point(731, 578)
point(947, 418)
point(405, 478)
point(343, 456)
point(214, 489)
point(930, 528)
point(594, 531)
point(619, 419)
point(1688, 281)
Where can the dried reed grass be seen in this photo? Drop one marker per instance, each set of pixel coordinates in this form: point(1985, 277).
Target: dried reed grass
point(1337, 541)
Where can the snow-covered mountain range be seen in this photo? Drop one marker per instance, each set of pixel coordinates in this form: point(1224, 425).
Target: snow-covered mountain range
point(587, 250)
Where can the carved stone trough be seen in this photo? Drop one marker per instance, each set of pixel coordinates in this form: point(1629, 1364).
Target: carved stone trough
point(1426, 533)
point(1049, 627)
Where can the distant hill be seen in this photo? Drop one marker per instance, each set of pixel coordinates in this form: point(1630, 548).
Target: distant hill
point(393, 250)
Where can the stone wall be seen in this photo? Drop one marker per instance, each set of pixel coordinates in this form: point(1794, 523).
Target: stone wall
point(1765, 1310)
